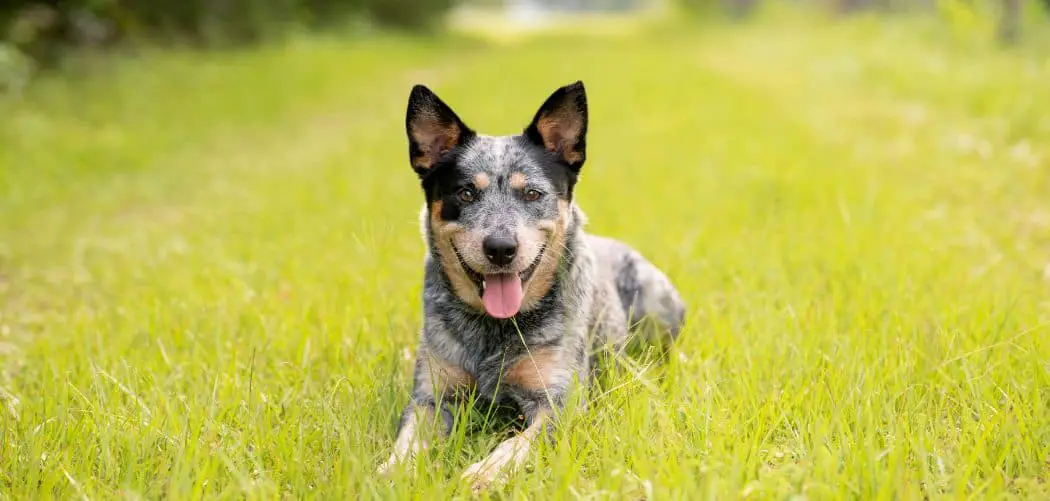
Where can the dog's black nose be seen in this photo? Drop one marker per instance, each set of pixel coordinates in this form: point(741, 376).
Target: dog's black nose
point(500, 249)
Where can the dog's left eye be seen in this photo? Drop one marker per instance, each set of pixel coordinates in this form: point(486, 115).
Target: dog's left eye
point(532, 195)
point(466, 195)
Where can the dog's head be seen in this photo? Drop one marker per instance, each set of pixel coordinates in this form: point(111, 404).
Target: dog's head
point(498, 207)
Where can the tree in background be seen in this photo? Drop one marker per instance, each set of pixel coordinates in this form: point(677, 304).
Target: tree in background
point(740, 8)
point(44, 29)
point(1009, 11)
point(1010, 21)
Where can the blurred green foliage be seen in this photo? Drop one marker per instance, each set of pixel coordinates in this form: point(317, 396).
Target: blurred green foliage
point(1003, 21)
point(39, 33)
point(44, 29)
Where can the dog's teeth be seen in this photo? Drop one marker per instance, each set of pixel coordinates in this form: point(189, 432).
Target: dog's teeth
point(483, 284)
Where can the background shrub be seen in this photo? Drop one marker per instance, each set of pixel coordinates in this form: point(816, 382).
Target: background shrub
point(45, 29)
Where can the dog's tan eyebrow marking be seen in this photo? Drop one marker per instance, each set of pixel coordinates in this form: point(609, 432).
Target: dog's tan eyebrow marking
point(481, 180)
point(517, 181)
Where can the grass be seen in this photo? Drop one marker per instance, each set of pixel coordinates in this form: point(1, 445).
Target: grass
point(210, 265)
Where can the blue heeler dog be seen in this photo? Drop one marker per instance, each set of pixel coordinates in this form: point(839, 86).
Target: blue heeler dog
point(517, 299)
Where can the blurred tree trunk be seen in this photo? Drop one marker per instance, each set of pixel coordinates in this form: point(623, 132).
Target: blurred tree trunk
point(1010, 21)
point(740, 8)
point(849, 6)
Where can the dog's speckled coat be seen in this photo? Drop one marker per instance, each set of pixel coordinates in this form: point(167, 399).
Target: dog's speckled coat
point(581, 292)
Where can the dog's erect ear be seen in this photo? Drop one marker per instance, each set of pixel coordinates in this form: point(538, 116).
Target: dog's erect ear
point(560, 125)
point(433, 129)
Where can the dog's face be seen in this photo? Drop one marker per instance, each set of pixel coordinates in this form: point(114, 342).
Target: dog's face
point(498, 207)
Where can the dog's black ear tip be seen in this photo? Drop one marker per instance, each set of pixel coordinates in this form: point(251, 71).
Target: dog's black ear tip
point(420, 92)
point(576, 92)
point(575, 88)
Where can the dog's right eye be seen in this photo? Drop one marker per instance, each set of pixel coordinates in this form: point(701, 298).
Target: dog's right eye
point(466, 195)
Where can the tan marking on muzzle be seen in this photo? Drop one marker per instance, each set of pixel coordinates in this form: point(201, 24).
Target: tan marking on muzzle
point(444, 232)
point(546, 271)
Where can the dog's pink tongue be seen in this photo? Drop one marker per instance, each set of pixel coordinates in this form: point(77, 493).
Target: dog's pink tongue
point(502, 295)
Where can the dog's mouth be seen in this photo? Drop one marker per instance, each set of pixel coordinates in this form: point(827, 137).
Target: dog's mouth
point(501, 293)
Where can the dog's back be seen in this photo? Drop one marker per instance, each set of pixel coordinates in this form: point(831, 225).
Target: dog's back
point(643, 292)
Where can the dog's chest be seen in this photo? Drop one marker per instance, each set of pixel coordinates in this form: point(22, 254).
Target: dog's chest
point(489, 349)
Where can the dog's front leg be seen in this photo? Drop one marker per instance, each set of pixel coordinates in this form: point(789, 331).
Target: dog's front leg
point(509, 454)
point(436, 381)
point(414, 433)
point(539, 381)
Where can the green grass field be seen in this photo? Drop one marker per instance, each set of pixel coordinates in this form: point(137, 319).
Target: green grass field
point(210, 266)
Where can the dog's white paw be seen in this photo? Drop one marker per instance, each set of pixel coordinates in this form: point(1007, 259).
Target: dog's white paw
point(397, 459)
point(388, 466)
point(494, 469)
point(405, 450)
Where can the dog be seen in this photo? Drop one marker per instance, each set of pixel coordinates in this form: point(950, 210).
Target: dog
point(517, 298)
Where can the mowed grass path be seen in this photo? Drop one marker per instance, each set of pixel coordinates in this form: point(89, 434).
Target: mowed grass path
point(210, 268)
